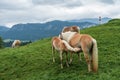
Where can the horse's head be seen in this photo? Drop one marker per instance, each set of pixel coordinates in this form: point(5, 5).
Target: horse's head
point(71, 28)
point(75, 29)
point(60, 36)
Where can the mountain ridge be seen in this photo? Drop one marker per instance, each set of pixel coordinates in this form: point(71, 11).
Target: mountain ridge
point(35, 31)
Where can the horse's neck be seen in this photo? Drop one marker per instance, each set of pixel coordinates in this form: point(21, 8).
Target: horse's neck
point(68, 35)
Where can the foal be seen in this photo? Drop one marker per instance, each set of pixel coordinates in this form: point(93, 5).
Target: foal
point(62, 46)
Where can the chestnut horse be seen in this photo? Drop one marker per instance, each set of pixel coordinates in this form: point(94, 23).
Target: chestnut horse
point(62, 46)
point(71, 28)
point(16, 43)
point(88, 46)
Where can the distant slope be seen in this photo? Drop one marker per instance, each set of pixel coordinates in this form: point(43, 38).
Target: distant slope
point(93, 20)
point(35, 31)
point(34, 61)
point(3, 29)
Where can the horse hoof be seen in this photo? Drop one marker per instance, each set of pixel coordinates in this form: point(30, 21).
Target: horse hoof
point(70, 62)
point(80, 60)
point(67, 65)
point(89, 70)
point(53, 61)
point(61, 66)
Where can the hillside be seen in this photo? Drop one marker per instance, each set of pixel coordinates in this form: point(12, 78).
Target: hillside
point(34, 61)
point(93, 20)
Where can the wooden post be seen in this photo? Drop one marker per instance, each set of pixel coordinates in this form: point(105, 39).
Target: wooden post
point(100, 20)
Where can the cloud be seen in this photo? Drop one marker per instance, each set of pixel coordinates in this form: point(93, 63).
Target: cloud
point(14, 5)
point(107, 1)
point(36, 11)
point(62, 3)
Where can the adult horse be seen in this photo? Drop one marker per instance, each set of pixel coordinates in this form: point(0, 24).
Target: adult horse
point(16, 43)
point(88, 46)
point(62, 46)
point(72, 29)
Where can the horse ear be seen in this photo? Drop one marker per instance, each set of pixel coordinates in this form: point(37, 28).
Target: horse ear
point(64, 28)
point(78, 27)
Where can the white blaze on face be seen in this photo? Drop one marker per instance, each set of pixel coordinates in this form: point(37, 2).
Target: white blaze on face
point(14, 42)
point(68, 35)
point(78, 28)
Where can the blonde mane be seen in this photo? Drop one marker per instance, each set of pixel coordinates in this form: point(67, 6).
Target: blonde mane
point(68, 35)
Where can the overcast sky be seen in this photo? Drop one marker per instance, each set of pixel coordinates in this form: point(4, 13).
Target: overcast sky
point(35, 11)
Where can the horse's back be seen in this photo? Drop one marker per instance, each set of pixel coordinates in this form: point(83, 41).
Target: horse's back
point(81, 40)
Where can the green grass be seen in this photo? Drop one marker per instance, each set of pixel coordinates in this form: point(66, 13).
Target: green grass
point(34, 61)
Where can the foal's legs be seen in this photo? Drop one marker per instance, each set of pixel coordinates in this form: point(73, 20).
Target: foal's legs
point(61, 58)
point(53, 53)
point(71, 54)
point(67, 59)
point(79, 56)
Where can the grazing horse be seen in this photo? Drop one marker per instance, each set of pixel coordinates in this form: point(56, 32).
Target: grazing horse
point(71, 28)
point(62, 46)
point(16, 43)
point(88, 46)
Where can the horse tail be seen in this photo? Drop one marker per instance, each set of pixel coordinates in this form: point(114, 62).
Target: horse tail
point(69, 47)
point(95, 56)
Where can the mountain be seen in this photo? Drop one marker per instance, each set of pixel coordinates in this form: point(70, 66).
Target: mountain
point(3, 29)
point(93, 20)
point(35, 31)
point(34, 61)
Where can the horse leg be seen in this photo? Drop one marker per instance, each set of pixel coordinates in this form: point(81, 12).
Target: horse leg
point(53, 53)
point(71, 54)
point(67, 59)
point(91, 61)
point(61, 58)
point(86, 55)
point(79, 56)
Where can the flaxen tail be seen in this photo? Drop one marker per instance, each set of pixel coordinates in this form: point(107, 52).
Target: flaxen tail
point(95, 56)
point(69, 47)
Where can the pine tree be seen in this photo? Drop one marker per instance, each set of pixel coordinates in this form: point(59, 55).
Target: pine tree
point(1, 43)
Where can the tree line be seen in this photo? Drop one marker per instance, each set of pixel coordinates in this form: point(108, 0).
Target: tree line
point(1, 43)
point(9, 43)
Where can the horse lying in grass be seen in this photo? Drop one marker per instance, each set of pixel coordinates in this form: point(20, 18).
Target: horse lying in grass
point(16, 43)
point(72, 29)
point(62, 46)
point(88, 46)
